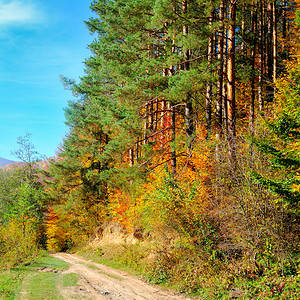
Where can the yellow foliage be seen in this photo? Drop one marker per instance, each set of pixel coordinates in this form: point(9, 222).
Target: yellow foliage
point(18, 242)
point(56, 235)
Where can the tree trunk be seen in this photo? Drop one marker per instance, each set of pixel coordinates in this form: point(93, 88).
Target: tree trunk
point(162, 119)
point(146, 125)
point(209, 84)
point(131, 157)
point(137, 150)
point(253, 53)
point(173, 127)
point(284, 20)
point(231, 84)
point(173, 137)
point(189, 114)
point(261, 57)
point(274, 33)
point(252, 103)
point(224, 91)
point(171, 107)
point(219, 98)
point(270, 49)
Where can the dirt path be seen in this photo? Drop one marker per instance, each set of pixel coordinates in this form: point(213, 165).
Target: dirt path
point(101, 282)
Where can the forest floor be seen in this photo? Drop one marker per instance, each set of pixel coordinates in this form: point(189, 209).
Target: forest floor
point(98, 281)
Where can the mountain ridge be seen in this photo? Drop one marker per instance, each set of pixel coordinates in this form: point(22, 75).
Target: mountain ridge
point(4, 162)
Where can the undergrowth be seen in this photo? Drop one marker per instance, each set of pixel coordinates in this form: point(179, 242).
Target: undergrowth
point(189, 272)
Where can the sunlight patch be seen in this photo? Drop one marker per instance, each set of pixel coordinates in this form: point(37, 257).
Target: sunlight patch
point(18, 12)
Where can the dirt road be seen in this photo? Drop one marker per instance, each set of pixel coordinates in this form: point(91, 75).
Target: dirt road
point(98, 281)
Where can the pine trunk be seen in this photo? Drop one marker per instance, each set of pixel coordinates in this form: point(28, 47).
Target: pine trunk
point(261, 57)
point(270, 49)
point(209, 84)
point(253, 53)
point(231, 84)
point(189, 122)
point(219, 98)
point(274, 32)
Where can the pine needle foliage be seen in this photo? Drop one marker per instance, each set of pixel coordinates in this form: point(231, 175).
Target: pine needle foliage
point(283, 148)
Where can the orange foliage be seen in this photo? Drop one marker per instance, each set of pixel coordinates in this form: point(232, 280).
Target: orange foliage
point(119, 205)
point(161, 201)
point(56, 235)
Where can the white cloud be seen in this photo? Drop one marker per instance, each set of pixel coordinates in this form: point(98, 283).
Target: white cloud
point(16, 12)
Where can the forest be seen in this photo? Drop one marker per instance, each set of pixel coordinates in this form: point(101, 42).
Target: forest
point(185, 131)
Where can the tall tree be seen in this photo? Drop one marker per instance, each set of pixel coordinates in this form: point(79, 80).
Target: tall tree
point(189, 114)
point(231, 106)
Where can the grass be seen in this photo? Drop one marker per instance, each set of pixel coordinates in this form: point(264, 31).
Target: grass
point(70, 279)
point(28, 281)
point(10, 283)
point(42, 286)
point(111, 256)
point(102, 272)
point(89, 265)
point(108, 262)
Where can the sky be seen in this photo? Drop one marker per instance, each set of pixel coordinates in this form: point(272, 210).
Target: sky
point(39, 40)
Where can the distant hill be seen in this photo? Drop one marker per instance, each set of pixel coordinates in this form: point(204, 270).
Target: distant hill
point(7, 164)
point(4, 162)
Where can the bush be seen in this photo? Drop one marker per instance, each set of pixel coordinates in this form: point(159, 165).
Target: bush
point(19, 243)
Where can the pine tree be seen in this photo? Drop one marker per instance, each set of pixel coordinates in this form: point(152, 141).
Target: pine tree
point(283, 150)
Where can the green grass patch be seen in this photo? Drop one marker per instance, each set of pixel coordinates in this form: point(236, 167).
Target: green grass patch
point(10, 283)
point(109, 262)
point(89, 265)
point(50, 262)
point(112, 256)
point(102, 272)
point(29, 281)
point(111, 275)
point(70, 279)
point(42, 286)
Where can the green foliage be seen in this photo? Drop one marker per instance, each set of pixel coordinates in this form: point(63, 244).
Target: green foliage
point(27, 204)
point(21, 223)
point(297, 19)
point(21, 209)
point(282, 149)
point(157, 274)
point(10, 182)
point(284, 188)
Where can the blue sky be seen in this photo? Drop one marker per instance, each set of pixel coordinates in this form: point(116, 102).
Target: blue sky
point(39, 40)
